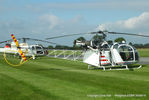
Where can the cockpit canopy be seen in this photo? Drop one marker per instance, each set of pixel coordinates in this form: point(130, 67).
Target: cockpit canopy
point(127, 52)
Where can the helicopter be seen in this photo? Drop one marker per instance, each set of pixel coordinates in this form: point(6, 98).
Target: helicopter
point(13, 47)
point(98, 53)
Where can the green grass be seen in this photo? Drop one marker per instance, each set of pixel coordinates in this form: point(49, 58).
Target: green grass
point(58, 79)
point(143, 52)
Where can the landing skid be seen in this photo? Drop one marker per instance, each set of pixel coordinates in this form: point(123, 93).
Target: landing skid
point(124, 67)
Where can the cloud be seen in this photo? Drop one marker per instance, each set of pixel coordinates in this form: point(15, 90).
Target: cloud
point(135, 24)
point(47, 25)
point(78, 19)
point(53, 23)
point(51, 19)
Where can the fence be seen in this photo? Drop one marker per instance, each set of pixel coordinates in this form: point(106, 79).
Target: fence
point(66, 54)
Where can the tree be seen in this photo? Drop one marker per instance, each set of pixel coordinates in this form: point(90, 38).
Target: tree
point(110, 42)
point(61, 47)
point(130, 43)
point(120, 39)
point(81, 39)
point(96, 40)
point(97, 37)
point(138, 45)
point(141, 45)
point(50, 47)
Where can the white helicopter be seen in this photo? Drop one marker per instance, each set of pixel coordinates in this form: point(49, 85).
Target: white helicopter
point(27, 50)
point(100, 54)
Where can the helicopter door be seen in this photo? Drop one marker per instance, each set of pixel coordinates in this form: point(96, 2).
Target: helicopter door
point(91, 57)
point(116, 56)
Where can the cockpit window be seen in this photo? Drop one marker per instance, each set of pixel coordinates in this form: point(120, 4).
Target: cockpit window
point(37, 47)
point(125, 49)
point(126, 53)
point(105, 47)
point(115, 46)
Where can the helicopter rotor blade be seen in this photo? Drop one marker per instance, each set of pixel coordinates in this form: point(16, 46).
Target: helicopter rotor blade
point(128, 34)
point(65, 36)
point(41, 40)
point(29, 39)
point(10, 40)
point(6, 41)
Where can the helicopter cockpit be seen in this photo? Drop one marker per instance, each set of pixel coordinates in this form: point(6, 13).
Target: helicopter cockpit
point(38, 50)
point(127, 52)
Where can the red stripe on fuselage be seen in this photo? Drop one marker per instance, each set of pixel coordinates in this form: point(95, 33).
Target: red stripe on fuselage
point(102, 56)
point(103, 60)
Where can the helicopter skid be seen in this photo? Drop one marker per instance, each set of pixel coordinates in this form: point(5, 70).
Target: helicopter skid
point(124, 67)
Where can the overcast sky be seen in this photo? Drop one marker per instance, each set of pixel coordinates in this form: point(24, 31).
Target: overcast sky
point(47, 18)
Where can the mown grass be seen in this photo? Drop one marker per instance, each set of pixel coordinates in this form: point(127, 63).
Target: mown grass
point(58, 79)
point(143, 52)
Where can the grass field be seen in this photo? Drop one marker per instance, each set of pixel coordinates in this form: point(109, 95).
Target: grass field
point(58, 79)
point(143, 52)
